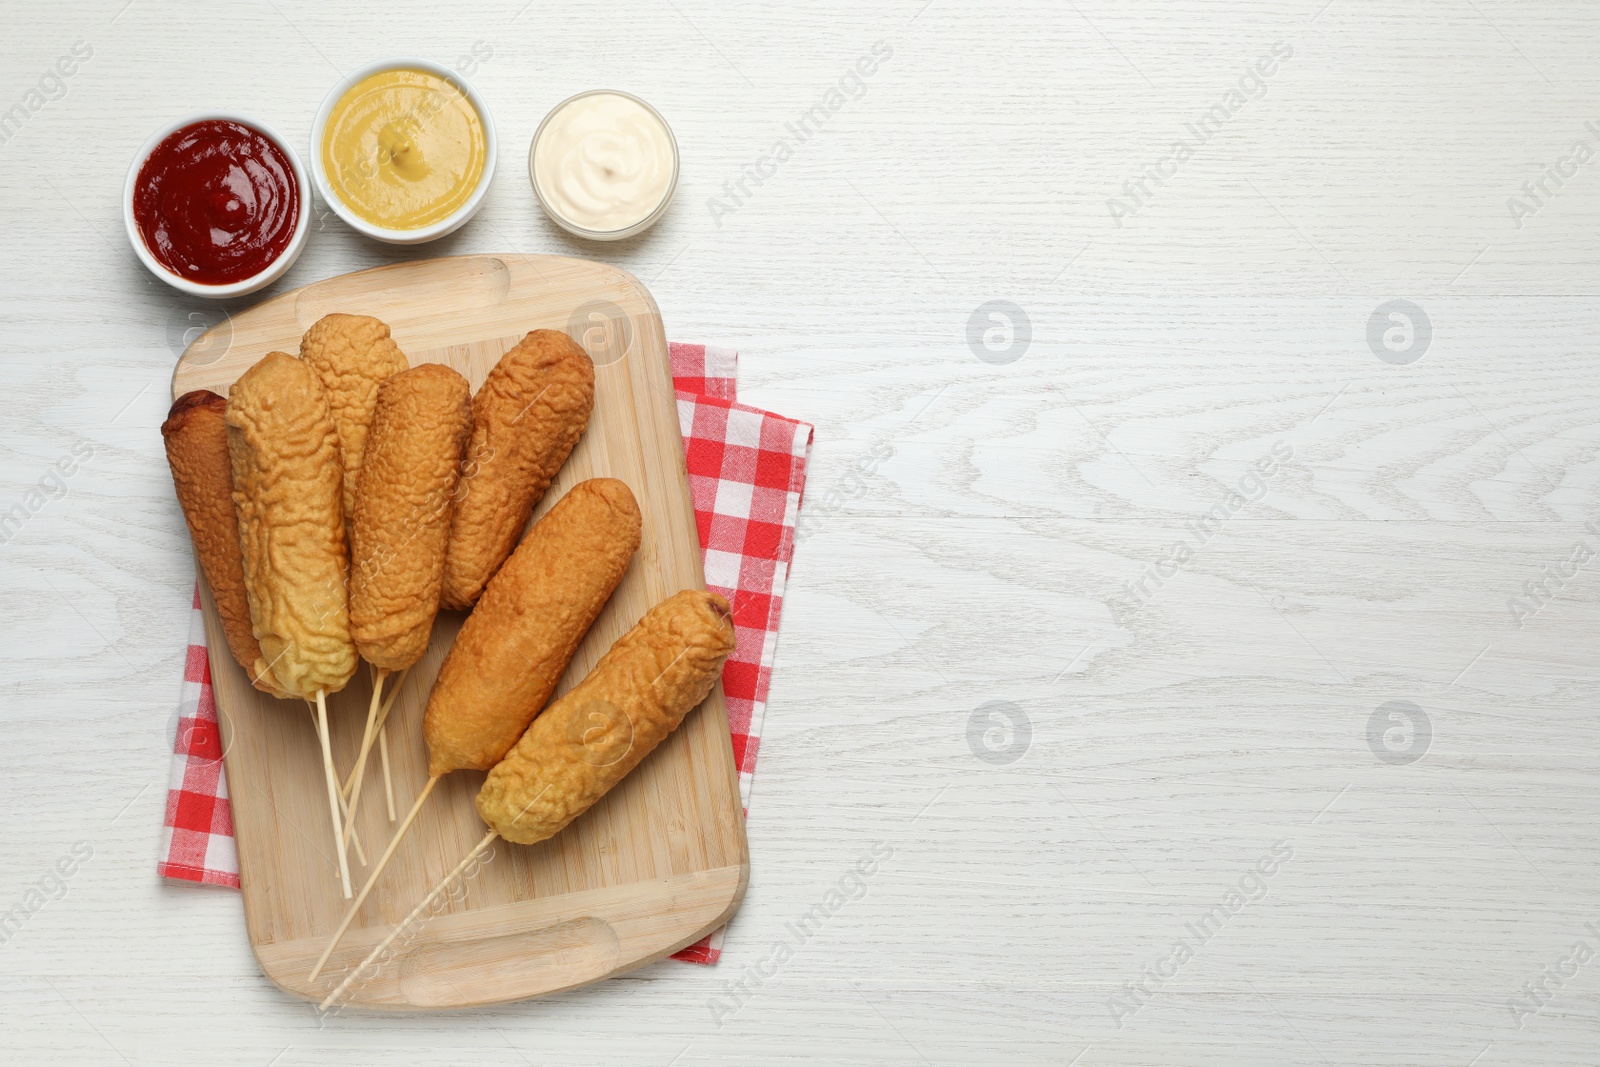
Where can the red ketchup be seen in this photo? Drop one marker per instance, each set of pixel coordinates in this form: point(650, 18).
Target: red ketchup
point(216, 202)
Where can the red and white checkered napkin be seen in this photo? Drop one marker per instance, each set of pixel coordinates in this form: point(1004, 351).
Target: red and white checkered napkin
point(747, 470)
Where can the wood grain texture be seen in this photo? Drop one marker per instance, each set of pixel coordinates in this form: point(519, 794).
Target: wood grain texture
point(971, 565)
point(661, 860)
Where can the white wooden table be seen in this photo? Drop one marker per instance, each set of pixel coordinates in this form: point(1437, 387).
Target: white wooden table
point(1076, 737)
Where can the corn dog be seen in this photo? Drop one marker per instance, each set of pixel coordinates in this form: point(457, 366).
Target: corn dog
point(286, 484)
point(196, 439)
point(517, 642)
point(402, 516)
point(351, 355)
point(588, 740)
point(526, 418)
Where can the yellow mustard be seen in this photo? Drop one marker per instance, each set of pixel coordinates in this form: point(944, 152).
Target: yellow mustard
point(404, 149)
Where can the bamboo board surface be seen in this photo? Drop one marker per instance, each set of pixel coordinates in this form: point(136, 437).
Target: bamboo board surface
point(659, 862)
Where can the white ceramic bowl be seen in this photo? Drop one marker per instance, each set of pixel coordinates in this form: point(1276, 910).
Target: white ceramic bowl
point(422, 234)
point(603, 235)
point(275, 269)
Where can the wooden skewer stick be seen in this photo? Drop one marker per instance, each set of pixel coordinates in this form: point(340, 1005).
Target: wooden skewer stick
point(394, 693)
point(311, 709)
point(383, 757)
point(355, 835)
point(372, 879)
point(378, 678)
point(427, 902)
point(333, 791)
point(344, 805)
point(383, 717)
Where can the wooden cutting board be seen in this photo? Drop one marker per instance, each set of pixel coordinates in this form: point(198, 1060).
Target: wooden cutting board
point(659, 862)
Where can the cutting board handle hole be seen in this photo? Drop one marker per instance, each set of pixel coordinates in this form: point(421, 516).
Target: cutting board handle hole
point(481, 282)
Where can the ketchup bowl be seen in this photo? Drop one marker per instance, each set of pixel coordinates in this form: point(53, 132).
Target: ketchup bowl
point(217, 204)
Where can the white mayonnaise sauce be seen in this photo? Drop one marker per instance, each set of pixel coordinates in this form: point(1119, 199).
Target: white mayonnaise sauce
point(605, 163)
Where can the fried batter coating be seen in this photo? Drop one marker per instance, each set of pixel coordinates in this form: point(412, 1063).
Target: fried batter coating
point(515, 645)
point(196, 438)
point(526, 418)
point(587, 741)
point(403, 509)
point(287, 478)
point(351, 354)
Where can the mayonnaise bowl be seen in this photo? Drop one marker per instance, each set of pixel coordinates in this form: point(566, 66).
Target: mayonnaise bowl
point(604, 165)
point(403, 139)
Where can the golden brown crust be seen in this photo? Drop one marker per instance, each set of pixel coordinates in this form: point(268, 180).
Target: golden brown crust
point(526, 418)
point(403, 507)
point(196, 439)
point(284, 453)
point(587, 741)
point(515, 645)
point(352, 355)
